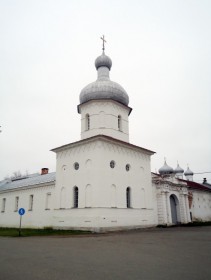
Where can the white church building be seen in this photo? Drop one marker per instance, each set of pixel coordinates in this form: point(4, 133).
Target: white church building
point(102, 182)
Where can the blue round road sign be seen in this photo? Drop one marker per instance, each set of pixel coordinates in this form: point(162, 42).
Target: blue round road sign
point(21, 211)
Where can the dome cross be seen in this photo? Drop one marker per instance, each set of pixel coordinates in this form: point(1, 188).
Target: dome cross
point(104, 41)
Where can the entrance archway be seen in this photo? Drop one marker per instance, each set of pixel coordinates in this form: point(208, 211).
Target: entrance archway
point(174, 203)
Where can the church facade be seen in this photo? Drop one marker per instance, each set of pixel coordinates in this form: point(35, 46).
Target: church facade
point(102, 182)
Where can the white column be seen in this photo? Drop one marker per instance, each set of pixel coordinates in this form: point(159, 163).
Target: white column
point(168, 210)
point(165, 220)
point(183, 212)
point(187, 208)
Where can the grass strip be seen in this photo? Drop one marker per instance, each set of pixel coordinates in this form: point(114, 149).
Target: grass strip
point(14, 232)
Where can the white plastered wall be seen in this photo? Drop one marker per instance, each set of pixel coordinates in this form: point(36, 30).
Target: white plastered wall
point(104, 207)
point(38, 217)
point(104, 119)
point(201, 205)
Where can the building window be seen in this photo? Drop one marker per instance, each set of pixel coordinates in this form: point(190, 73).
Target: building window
point(75, 196)
point(47, 202)
point(3, 205)
point(87, 122)
point(127, 167)
point(31, 200)
point(119, 123)
point(112, 164)
point(128, 197)
point(16, 203)
point(76, 165)
point(63, 198)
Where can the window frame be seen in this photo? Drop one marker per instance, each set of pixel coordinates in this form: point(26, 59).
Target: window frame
point(75, 197)
point(128, 197)
point(31, 202)
point(3, 208)
point(119, 122)
point(47, 201)
point(16, 203)
point(87, 120)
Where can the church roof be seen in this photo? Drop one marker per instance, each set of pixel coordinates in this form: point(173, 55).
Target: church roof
point(178, 169)
point(190, 184)
point(103, 87)
point(166, 169)
point(188, 172)
point(194, 185)
point(105, 138)
point(27, 182)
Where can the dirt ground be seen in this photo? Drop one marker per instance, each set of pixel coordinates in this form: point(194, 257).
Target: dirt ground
point(158, 254)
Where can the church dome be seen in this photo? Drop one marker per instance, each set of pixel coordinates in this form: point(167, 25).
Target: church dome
point(165, 169)
point(103, 87)
point(178, 169)
point(103, 60)
point(188, 172)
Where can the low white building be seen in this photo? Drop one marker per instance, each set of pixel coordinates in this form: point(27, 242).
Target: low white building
point(102, 182)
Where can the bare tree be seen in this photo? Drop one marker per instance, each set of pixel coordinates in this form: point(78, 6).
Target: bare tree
point(16, 175)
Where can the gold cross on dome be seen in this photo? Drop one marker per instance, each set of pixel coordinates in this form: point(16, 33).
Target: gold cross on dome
point(104, 41)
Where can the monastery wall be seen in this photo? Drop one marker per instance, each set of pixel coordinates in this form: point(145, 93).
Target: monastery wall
point(201, 206)
point(39, 209)
point(103, 219)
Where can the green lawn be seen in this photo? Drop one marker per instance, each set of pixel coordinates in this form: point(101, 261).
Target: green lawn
point(14, 232)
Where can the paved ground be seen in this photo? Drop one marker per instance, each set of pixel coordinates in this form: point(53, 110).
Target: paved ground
point(173, 254)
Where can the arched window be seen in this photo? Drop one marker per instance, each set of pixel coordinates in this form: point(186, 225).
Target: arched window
point(88, 196)
point(143, 198)
point(119, 123)
point(113, 196)
point(62, 198)
point(87, 122)
point(75, 197)
point(128, 197)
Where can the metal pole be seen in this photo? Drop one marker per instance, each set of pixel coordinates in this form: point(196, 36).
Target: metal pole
point(20, 225)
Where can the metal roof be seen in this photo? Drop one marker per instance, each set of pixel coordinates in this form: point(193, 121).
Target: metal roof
point(104, 88)
point(103, 138)
point(27, 182)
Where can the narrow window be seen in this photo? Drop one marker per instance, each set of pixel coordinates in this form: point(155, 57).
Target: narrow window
point(31, 199)
point(119, 123)
point(47, 202)
point(16, 203)
point(75, 195)
point(128, 197)
point(87, 122)
point(3, 205)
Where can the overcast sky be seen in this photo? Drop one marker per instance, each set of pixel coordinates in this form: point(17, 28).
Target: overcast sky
point(161, 54)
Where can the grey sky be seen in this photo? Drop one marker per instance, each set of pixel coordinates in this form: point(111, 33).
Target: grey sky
point(161, 55)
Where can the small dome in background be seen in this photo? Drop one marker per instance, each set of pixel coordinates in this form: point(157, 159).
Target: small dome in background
point(178, 169)
point(188, 172)
point(165, 169)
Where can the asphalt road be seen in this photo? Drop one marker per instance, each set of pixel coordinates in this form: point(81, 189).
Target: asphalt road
point(158, 254)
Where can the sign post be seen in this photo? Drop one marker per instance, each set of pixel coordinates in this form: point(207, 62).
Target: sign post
point(21, 212)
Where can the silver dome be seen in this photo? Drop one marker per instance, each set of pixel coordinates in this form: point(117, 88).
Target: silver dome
point(103, 60)
point(104, 88)
point(178, 169)
point(165, 169)
point(188, 172)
